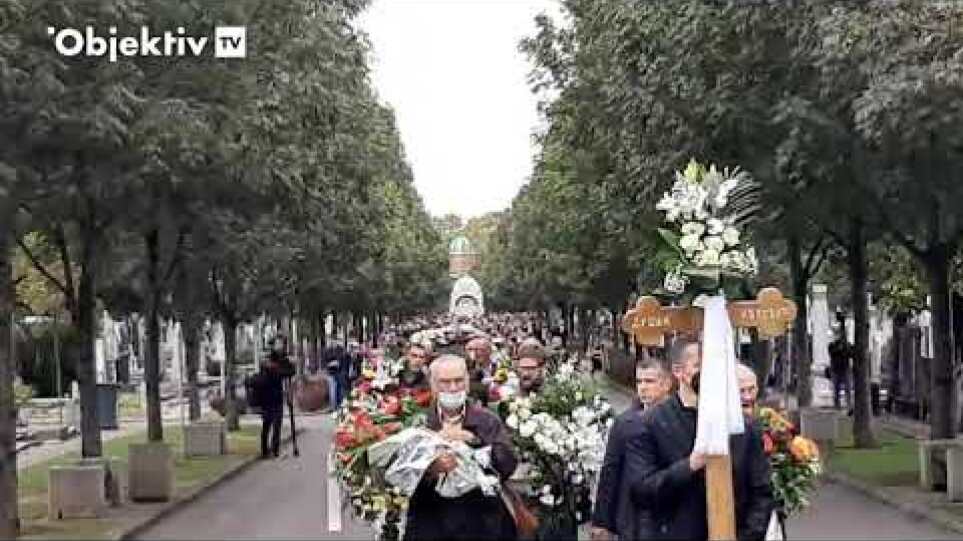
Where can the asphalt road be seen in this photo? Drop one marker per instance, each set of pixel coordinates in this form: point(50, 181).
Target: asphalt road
point(288, 499)
point(285, 498)
point(838, 512)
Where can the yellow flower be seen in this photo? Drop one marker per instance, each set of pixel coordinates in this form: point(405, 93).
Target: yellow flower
point(368, 373)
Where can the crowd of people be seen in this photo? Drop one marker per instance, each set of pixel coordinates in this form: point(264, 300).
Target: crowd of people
point(651, 485)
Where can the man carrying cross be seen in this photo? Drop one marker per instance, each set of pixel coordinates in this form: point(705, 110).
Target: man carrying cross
point(668, 478)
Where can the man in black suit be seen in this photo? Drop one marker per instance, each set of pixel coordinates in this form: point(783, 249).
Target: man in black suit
point(668, 478)
point(614, 513)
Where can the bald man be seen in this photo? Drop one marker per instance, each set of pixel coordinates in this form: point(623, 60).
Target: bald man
point(748, 388)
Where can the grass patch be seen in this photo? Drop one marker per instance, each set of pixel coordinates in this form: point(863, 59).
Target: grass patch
point(895, 463)
point(189, 474)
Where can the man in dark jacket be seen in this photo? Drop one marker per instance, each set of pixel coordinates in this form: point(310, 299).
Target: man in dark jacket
point(840, 354)
point(614, 513)
point(668, 479)
point(474, 515)
point(270, 390)
point(414, 375)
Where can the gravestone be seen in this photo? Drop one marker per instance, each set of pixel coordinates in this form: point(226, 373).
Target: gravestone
point(821, 333)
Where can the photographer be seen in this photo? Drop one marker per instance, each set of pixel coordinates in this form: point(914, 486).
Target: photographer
point(269, 392)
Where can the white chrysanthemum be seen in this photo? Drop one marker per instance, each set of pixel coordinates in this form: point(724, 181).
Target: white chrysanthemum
point(715, 244)
point(689, 243)
point(716, 226)
point(693, 228)
point(708, 258)
point(527, 429)
point(674, 282)
point(512, 421)
point(731, 236)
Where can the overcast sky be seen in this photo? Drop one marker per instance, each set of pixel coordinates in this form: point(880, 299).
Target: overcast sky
point(453, 74)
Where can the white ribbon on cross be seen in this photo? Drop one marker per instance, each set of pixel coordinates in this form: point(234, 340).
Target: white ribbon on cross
point(720, 410)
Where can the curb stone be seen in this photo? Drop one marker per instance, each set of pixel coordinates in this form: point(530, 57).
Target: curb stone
point(938, 517)
point(176, 505)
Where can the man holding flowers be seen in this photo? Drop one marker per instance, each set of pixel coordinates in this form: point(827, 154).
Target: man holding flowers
point(474, 515)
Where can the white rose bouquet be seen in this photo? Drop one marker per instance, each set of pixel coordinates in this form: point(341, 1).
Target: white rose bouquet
point(703, 243)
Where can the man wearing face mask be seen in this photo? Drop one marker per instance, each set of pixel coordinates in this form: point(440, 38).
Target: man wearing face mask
point(474, 515)
point(668, 478)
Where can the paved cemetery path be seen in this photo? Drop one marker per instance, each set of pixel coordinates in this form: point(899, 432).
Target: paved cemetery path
point(838, 512)
point(289, 499)
point(285, 498)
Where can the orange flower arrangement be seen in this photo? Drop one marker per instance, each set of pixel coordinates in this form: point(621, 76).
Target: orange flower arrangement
point(793, 459)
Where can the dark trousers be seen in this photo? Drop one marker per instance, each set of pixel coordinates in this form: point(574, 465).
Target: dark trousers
point(271, 417)
point(840, 386)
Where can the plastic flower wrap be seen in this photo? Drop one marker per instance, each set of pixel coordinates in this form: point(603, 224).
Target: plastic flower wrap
point(793, 459)
point(408, 455)
point(702, 240)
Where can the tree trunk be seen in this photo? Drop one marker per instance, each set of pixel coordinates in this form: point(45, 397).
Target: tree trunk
point(322, 331)
point(135, 338)
point(899, 334)
point(587, 317)
point(802, 362)
point(942, 388)
point(192, 358)
point(863, 436)
point(87, 366)
point(626, 342)
point(9, 515)
point(761, 361)
point(155, 423)
point(230, 352)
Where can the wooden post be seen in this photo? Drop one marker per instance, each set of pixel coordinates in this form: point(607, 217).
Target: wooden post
point(720, 502)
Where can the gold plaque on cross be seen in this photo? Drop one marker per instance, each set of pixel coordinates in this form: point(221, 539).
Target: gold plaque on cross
point(770, 313)
point(649, 321)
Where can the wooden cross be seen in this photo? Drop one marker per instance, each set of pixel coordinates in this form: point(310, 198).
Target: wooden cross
point(648, 323)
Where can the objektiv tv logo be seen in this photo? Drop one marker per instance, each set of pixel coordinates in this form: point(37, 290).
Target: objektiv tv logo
point(229, 42)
